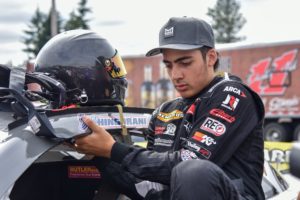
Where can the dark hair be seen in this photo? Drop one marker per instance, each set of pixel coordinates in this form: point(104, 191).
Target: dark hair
point(204, 51)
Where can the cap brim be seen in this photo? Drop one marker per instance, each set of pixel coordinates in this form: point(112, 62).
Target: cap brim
point(158, 50)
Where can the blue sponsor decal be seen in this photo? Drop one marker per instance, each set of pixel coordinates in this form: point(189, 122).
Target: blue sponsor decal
point(111, 121)
point(82, 127)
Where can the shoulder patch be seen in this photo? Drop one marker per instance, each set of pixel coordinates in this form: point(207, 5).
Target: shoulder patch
point(230, 102)
point(234, 90)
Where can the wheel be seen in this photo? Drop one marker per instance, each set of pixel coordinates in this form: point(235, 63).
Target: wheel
point(276, 132)
point(296, 134)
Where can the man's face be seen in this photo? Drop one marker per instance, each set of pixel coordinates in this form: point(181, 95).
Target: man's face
point(188, 71)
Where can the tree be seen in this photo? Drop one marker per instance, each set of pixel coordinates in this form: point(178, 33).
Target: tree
point(77, 19)
point(33, 38)
point(38, 34)
point(227, 21)
point(39, 29)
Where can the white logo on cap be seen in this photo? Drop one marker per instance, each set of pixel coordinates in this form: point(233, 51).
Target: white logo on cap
point(169, 32)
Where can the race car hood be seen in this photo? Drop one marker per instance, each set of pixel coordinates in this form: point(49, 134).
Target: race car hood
point(20, 146)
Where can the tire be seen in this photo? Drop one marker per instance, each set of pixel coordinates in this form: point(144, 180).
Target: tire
point(296, 134)
point(276, 132)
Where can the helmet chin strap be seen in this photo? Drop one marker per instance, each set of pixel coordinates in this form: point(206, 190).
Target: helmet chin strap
point(124, 131)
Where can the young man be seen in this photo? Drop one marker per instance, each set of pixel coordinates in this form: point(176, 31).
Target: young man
point(208, 144)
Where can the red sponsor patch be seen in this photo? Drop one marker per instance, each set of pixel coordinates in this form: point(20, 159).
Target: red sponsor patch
point(204, 152)
point(159, 130)
point(191, 109)
point(221, 114)
point(198, 136)
point(204, 139)
point(83, 172)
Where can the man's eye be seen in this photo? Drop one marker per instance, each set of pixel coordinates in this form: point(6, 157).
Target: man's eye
point(186, 63)
point(168, 66)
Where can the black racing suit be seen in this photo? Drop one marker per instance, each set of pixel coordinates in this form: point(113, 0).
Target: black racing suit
point(223, 124)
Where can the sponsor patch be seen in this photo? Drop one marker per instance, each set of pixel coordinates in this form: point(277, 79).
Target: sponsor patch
point(166, 117)
point(82, 127)
point(230, 102)
point(159, 130)
point(221, 114)
point(204, 139)
point(234, 90)
point(213, 126)
point(204, 152)
point(35, 124)
point(188, 126)
point(110, 121)
point(191, 109)
point(83, 172)
point(163, 142)
point(187, 155)
point(171, 128)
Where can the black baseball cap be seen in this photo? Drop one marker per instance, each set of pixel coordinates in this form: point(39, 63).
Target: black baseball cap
point(184, 33)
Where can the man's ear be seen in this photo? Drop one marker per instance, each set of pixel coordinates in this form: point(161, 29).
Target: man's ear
point(211, 57)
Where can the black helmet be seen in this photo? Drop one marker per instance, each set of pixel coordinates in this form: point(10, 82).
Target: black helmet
point(87, 66)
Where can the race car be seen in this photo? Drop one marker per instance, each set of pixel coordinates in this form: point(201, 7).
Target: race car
point(35, 165)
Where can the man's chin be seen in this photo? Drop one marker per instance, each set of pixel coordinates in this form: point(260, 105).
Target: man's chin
point(185, 95)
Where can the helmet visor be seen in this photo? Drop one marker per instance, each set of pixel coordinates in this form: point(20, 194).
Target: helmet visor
point(116, 68)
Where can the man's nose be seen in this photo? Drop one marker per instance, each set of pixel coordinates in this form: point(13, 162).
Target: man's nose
point(176, 73)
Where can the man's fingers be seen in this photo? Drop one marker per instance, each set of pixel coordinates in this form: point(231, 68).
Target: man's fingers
point(90, 123)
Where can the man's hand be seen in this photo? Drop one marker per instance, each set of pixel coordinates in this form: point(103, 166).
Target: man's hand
point(98, 143)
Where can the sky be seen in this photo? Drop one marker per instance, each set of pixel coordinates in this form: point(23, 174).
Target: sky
point(132, 26)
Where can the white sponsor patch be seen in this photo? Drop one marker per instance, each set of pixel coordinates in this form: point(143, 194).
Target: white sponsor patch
point(187, 155)
point(204, 152)
point(213, 126)
point(204, 139)
point(234, 90)
point(171, 128)
point(163, 142)
point(230, 102)
point(169, 32)
point(112, 120)
point(35, 124)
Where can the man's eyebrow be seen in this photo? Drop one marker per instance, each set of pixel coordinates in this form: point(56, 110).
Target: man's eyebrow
point(178, 59)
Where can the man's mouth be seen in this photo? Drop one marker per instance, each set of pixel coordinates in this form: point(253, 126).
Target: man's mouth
point(181, 87)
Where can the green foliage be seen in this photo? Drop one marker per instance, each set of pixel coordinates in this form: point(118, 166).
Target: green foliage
point(35, 37)
point(39, 28)
point(226, 21)
point(77, 19)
